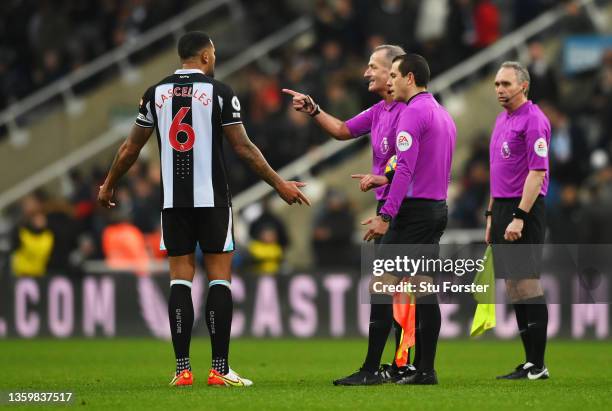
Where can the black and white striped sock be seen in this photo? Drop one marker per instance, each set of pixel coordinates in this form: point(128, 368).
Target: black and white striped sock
point(220, 364)
point(182, 364)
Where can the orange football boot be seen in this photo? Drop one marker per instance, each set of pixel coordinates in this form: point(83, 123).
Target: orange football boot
point(184, 378)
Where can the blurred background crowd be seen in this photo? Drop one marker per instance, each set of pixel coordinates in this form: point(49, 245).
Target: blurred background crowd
point(41, 41)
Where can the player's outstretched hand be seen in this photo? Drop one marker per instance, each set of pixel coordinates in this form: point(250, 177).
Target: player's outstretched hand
point(105, 197)
point(369, 181)
point(301, 102)
point(290, 192)
point(377, 229)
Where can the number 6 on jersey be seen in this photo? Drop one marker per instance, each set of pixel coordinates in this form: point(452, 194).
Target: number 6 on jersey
point(178, 127)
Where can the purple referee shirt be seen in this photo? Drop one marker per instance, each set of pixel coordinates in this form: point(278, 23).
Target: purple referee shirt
point(424, 143)
point(519, 143)
point(380, 121)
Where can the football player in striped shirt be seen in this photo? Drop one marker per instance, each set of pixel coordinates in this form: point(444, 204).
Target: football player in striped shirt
point(193, 114)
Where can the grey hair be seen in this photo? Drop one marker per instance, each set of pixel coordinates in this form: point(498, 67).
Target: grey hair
point(392, 51)
point(521, 73)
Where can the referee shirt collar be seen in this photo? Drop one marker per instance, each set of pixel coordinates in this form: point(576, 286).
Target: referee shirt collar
point(188, 71)
point(522, 108)
point(388, 106)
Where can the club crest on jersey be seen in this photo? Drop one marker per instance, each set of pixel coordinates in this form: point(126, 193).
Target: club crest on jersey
point(235, 103)
point(384, 145)
point(404, 141)
point(505, 150)
point(540, 147)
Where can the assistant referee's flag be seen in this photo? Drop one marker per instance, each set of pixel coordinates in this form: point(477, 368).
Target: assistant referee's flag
point(404, 313)
point(484, 317)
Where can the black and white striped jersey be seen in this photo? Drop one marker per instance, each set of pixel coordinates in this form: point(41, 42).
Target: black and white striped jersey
point(189, 110)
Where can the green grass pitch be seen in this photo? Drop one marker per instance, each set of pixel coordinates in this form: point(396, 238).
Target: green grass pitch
point(133, 374)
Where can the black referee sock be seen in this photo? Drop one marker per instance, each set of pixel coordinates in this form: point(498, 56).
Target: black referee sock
point(381, 319)
point(537, 317)
point(219, 310)
point(180, 313)
point(520, 311)
point(430, 321)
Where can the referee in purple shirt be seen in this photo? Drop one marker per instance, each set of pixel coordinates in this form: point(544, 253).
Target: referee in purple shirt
point(516, 215)
point(415, 211)
point(380, 121)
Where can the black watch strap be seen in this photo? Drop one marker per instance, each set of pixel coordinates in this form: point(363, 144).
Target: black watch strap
point(316, 111)
point(520, 214)
point(488, 213)
point(386, 218)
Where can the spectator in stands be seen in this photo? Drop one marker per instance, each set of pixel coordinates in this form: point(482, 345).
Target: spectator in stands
point(61, 222)
point(474, 195)
point(332, 237)
point(267, 219)
point(265, 252)
point(393, 20)
point(124, 245)
point(526, 10)
point(567, 220)
point(602, 101)
point(86, 250)
point(576, 20)
point(145, 205)
point(460, 32)
point(32, 240)
point(598, 226)
point(544, 84)
point(486, 23)
point(569, 153)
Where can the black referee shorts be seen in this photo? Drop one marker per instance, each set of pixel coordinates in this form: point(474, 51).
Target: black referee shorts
point(183, 228)
point(418, 227)
point(381, 204)
point(519, 259)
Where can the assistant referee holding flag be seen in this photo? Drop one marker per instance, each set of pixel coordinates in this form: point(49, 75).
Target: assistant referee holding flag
point(516, 216)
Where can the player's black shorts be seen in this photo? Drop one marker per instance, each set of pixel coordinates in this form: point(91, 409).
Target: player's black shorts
point(418, 227)
point(211, 227)
point(521, 258)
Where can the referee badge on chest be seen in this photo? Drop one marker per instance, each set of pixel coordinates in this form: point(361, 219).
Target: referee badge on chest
point(505, 150)
point(384, 146)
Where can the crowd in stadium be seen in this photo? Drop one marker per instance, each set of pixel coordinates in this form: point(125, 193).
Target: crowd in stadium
point(331, 69)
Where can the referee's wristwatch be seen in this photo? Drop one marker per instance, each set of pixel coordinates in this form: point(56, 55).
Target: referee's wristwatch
point(520, 214)
point(386, 218)
point(488, 213)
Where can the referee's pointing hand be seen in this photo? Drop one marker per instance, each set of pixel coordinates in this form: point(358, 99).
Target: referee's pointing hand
point(369, 181)
point(289, 191)
point(301, 102)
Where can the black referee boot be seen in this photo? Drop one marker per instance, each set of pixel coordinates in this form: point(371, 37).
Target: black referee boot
point(392, 373)
point(519, 373)
point(420, 378)
point(361, 377)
